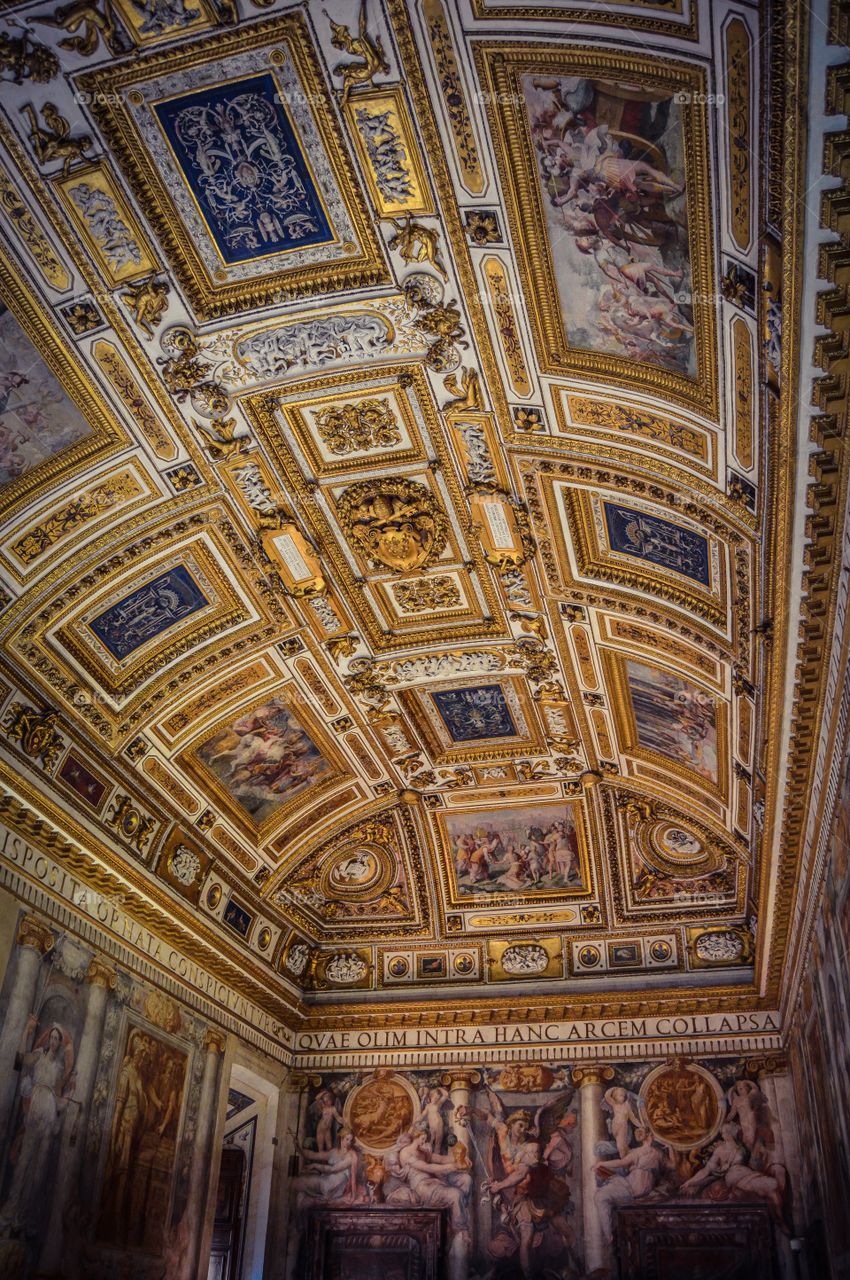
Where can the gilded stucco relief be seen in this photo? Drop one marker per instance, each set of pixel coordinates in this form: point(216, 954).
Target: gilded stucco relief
point(393, 533)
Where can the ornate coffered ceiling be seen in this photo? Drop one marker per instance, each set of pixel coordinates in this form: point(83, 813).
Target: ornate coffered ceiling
point(399, 487)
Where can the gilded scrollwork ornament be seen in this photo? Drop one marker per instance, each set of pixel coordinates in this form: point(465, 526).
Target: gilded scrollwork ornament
point(52, 139)
point(128, 820)
point(35, 731)
point(186, 376)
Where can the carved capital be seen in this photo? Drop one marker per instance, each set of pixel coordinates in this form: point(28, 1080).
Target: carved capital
point(774, 1064)
point(461, 1078)
point(34, 933)
point(214, 1040)
point(100, 973)
point(300, 1080)
point(592, 1075)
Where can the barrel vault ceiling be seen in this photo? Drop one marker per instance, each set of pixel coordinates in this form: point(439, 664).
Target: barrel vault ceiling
point(398, 503)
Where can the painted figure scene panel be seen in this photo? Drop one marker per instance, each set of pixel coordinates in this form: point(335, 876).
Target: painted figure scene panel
point(264, 758)
point(611, 168)
point(511, 850)
point(37, 419)
point(674, 718)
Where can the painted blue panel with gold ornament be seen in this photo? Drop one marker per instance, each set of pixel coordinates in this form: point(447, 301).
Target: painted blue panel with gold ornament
point(647, 537)
point(148, 611)
point(238, 918)
point(471, 714)
point(239, 155)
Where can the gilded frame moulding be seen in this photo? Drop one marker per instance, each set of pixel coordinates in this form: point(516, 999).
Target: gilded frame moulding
point(34, 544)
point(674, 788)
point(653, 23)
point(49, 665)
point(738, 69)
point(454, 95)
point(529, 740)
point(542, 480)
point(133, 21)
point(639, 637)
point(453, 900)
point(107, 435)
point(300, 823)
point(500, 288)
point(614, 665)
point(444, 595)
point(476, 427)
point(120, 678)
point(247, 679)
point(388, 102)
point(463, 963)
point(403, 395)
point(500, 68)
point(262, 409)
point(684, 443)
point(30, 233)
point(743, 392)
point(597, 561)
point(269, 46)
point(123, 381)
point(499, 966)
point(258, 833)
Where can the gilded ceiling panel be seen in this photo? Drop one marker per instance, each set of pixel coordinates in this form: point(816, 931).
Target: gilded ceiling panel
point(399, 536)
point(230, 147)
point(604, 163)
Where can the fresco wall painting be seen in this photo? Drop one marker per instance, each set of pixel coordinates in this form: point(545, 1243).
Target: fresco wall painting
point(530, 1161)
point(99, 1114)
point(262, 760)
point(37, 419)
point(603, 165)
point(664, 717)
point(820, 1057)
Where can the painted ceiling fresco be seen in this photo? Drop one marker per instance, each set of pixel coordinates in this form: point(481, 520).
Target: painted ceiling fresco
point(390, 509)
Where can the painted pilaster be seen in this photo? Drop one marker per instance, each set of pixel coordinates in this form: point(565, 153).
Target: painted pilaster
point(100, 979)
point(460, 1082)
point(589, 1082)
point(296, 1100)
point(202, 1170)
point(34, 940)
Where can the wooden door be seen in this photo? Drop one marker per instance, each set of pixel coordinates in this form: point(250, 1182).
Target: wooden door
point(228, 1225)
